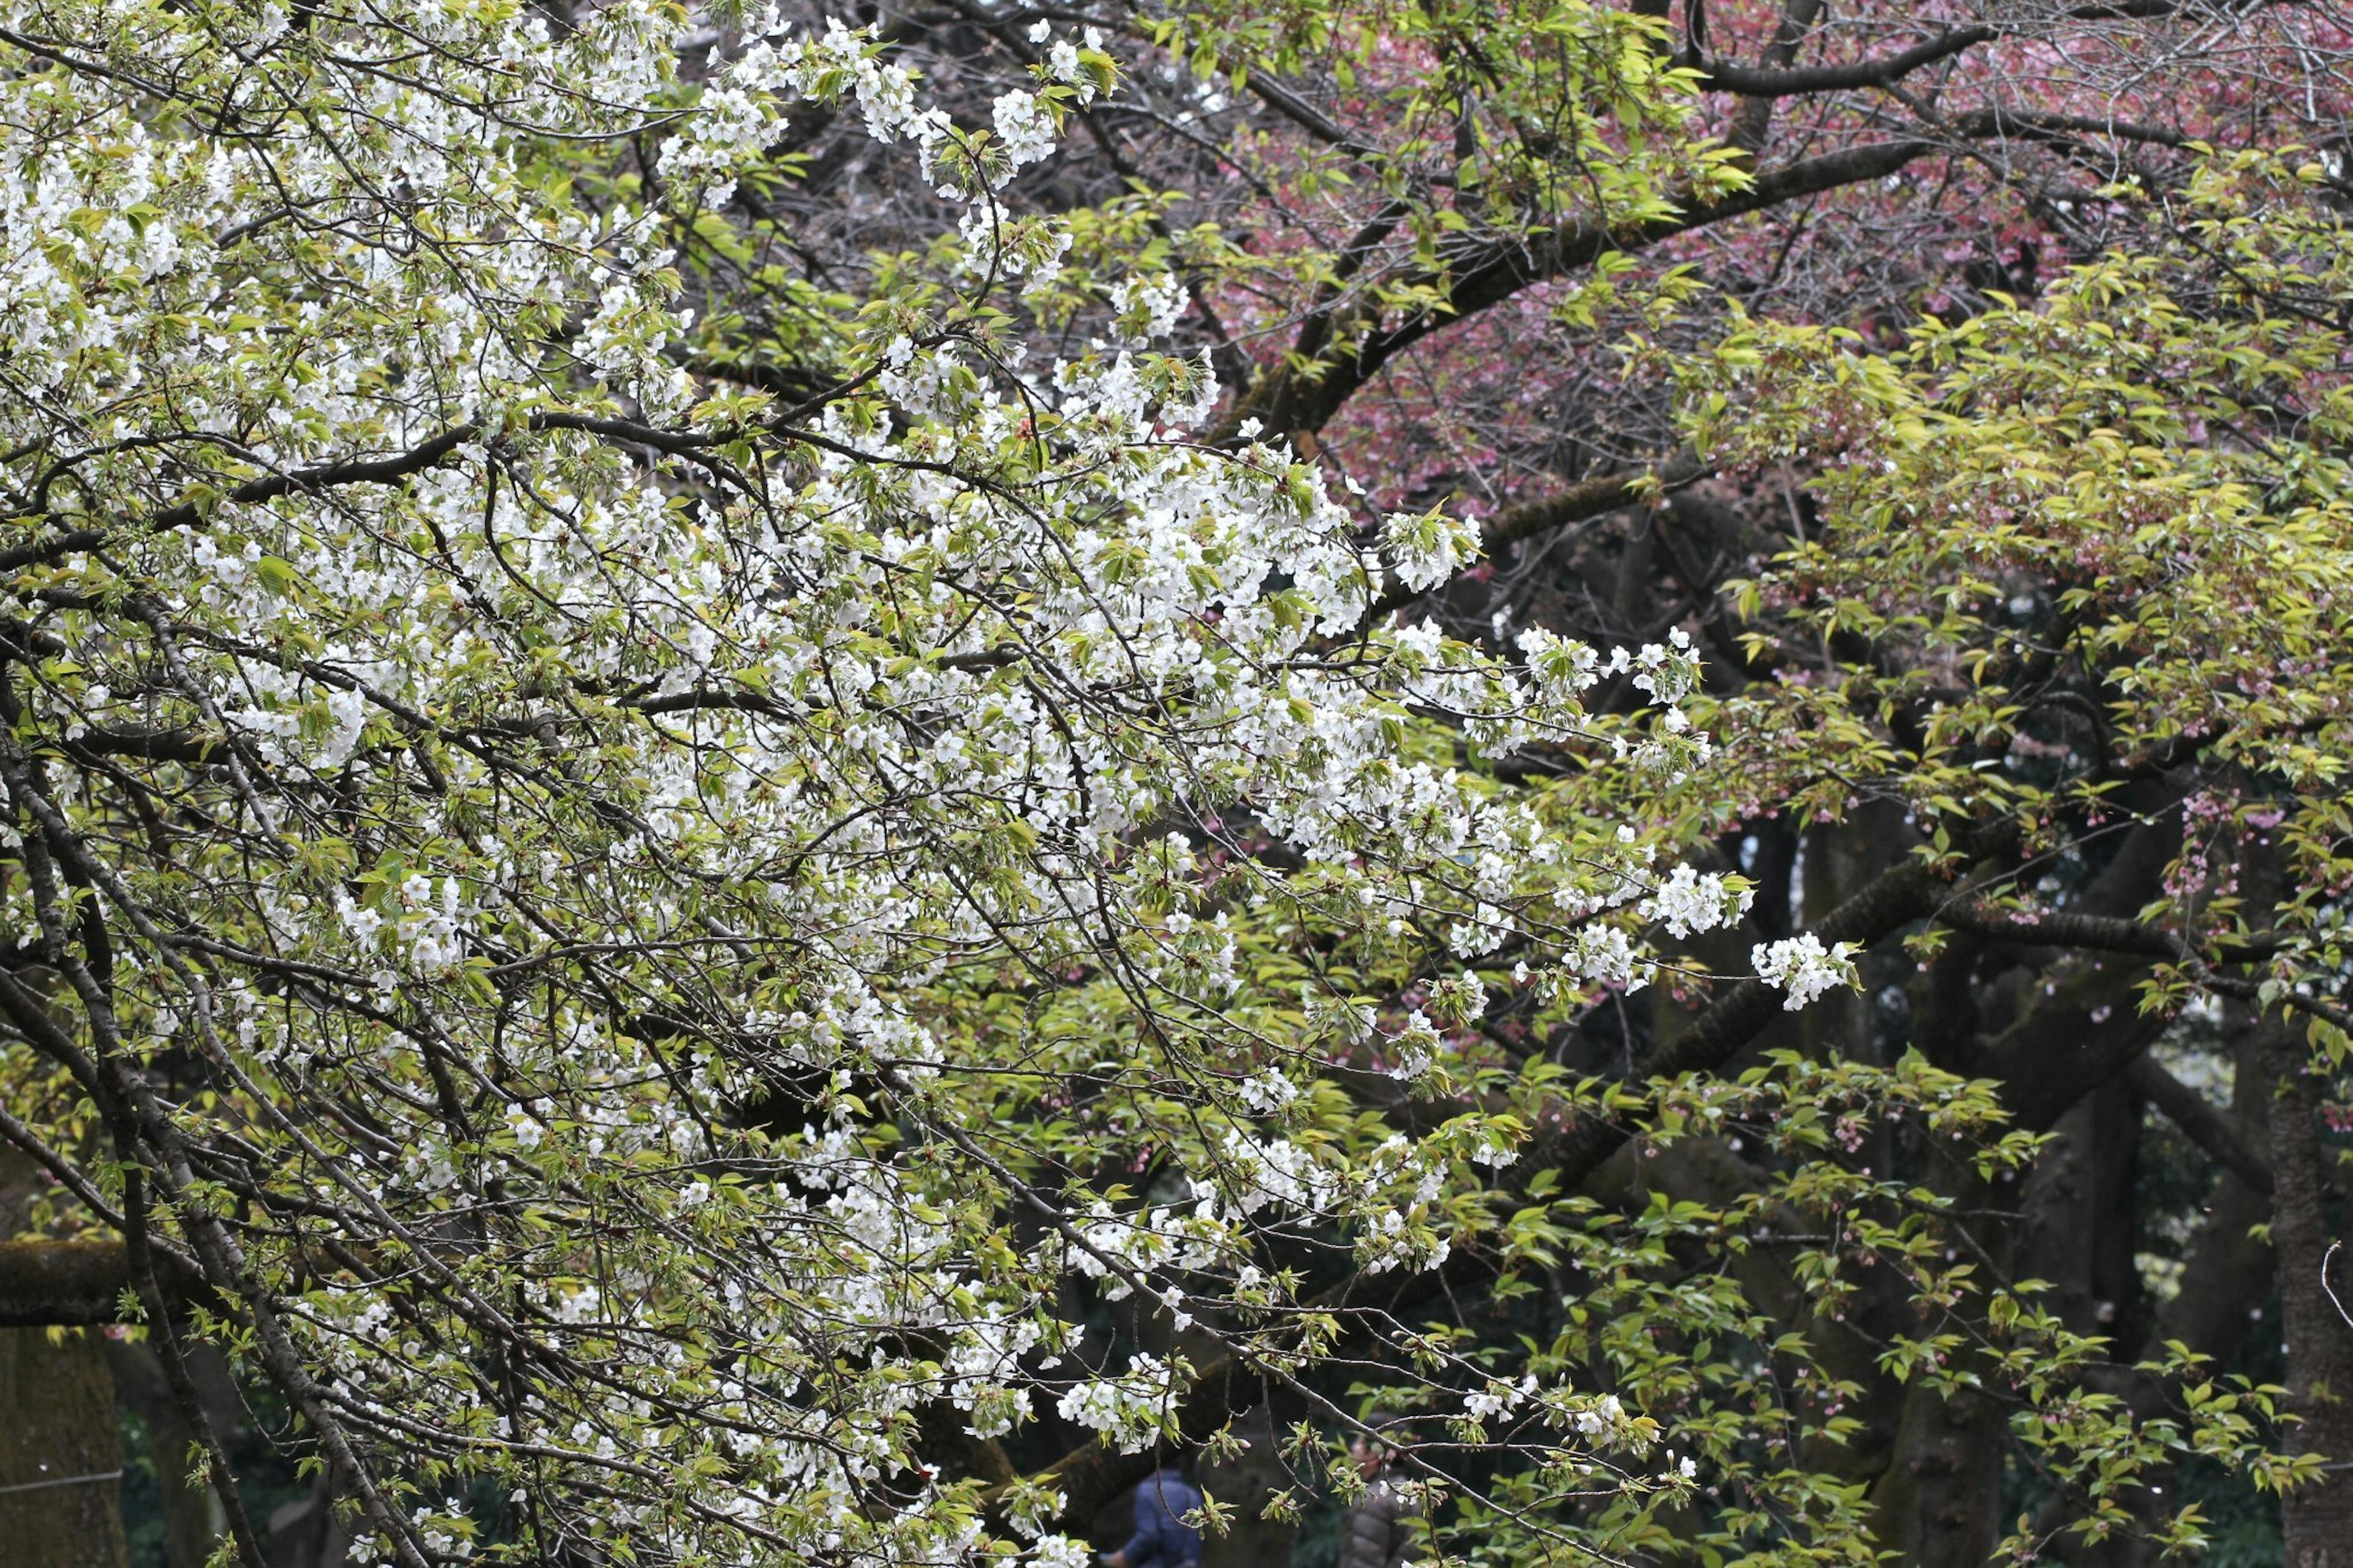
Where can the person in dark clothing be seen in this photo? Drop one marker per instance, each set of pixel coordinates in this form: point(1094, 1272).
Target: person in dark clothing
point(1162, 1538)
point(1379, 1530)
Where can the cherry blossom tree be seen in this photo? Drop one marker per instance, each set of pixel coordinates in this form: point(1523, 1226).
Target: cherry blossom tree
point(613, 934)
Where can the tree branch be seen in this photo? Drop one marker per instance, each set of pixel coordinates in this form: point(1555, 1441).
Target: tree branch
point(1745, 82)
point(48, 1284)
point(1898, 896)
point(2200, 1120)
point(1291, 402)
point(2099, 933)
point(1588, 498)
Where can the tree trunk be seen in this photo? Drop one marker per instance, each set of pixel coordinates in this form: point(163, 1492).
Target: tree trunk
point(60, 1452)
point(2080, 1214)
point(2318, 1517)
point(60, 1446)
point(1938, 1502)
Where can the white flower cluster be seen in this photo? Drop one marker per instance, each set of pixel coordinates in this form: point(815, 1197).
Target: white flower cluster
point(1667, 671)
point(1498, 1397)
point(1132, 1410)
point(1268, 1093)
point(1429, 547)
point(1025, 126)
point(1148, 306)
point(1803, 967)
point(1606, 956)
point(1062, 1551)
point(1603, 1421)
point(1065, 62)
point(1689, 901)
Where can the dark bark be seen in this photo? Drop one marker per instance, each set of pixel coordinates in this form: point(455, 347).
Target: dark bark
point(309, 1532)
point(1756, 117)
point(2228, 1272)
point(2075, 1026)
point(60, 1453)
point(2083, 1032)
point(1840, 862)
point(1768, 83)
point(1246, 1482)
point(2080, 1220)
point(1846, 1346)
point(2226, 1279)
point(2318, 1343)
point(1936, 1501)
point(1936, 1504)
point(46, 1283)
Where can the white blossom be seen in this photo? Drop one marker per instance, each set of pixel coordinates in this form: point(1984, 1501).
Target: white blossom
point(1803, 967)
point(1429, 548)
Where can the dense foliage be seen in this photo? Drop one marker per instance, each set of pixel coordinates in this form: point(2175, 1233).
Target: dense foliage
point(776, 787)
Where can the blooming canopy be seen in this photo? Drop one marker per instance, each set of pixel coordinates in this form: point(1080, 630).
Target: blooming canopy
point(620, 929)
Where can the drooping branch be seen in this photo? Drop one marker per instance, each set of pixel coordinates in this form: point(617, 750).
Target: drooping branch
point(2200, 1120)
point(391, 470)
point(425, 456)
